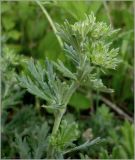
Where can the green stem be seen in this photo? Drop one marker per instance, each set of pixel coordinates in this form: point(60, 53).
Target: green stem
point(50, 21)
point(58, 117)
point(57, 121)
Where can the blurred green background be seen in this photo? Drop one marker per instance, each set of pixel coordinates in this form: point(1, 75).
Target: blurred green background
point(27, 32)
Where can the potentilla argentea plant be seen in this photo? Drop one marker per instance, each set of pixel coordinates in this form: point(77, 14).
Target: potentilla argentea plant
point(86, 44)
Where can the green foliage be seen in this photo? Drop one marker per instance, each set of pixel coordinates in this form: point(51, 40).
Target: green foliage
point(25, 124)
point(23, 147)
point(127, 132)
point(89, 37)
point(63, 141)
point(102, 120)
point(118, 142)
point(33, 145)
point(45, 42)
point(54, 91)
point(92, 40)
point(85, 145)
point(22, 119)
point(100, 56)
point(87, 50)
point(64, 70)
point(67, 134)
point(123, 146)
point(11, 92)
point(45, 84)
point(9, 62)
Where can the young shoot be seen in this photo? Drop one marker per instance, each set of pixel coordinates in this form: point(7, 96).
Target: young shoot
point(86, 45)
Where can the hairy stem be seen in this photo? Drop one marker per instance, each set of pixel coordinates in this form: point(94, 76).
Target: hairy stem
point(57, 121)
point(58, 117)
point(59, 114)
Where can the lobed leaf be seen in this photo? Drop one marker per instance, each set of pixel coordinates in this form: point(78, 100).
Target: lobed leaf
point(64, 70)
